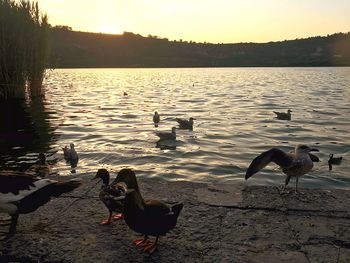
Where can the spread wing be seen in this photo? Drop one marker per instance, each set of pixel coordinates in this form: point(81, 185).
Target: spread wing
point(13, 182)
point(275, 155)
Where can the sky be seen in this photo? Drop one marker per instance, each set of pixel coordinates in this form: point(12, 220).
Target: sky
point(214, 21)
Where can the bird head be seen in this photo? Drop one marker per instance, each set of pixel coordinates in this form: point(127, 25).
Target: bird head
point(302, 148)
point(72, 145)
point(173, 129)
point(289, 111)
point(103, 174)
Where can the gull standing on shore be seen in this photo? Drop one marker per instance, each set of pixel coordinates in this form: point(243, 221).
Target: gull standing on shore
point(293, 164)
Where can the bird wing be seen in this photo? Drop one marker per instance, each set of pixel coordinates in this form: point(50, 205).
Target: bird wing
point(273, 155)
point(182, 122)
point(156, 208)
point(13, 182)
point(314, 158)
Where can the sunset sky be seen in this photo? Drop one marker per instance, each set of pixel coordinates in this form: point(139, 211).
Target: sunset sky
point(216, 21)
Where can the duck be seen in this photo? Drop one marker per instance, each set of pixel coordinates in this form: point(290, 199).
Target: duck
point(71, 155)
point(334, 160)
point(293, 164)
point(185, 124)
point(284, 115)
point(156, 119)
point(22, 193)
point(149, 218)
point(41, 168)
point(125, 179)
point(167, 135)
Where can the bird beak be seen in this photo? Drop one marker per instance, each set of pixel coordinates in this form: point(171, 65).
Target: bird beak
point(314, 150)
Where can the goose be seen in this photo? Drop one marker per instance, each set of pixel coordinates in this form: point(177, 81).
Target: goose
point(20, 193)
point(293, 164)
point(334, 160)
point(150, 218)
point(284, 115)
point(156, 119)
point(125, 179)
point(185, 124)
point(167, 135)
point(41, 168)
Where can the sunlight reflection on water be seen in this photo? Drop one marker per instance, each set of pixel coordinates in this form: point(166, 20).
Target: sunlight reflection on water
point(234, 120)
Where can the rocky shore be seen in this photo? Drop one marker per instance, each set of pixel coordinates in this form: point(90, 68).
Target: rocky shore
point(219, 223)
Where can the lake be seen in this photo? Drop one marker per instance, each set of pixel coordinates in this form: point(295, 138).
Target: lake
point(234, 122)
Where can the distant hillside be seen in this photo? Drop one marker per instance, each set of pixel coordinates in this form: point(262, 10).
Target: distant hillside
point(72, 49)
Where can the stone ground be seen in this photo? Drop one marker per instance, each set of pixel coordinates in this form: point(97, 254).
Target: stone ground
point(219, 223)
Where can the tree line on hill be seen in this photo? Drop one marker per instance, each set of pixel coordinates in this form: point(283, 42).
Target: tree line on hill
point(71, 49)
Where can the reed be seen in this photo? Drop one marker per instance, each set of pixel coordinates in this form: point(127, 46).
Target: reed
point(24, 48)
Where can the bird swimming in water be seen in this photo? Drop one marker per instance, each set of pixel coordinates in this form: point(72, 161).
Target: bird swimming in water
point(167, 135)
point(284, 115)
point(125, 179)
point(71, 155)
point(185, 124)
point(41, 168)
point(150, 218)
point(293, 164)
point(20, 193)
point(156, 119)
point(334, 160)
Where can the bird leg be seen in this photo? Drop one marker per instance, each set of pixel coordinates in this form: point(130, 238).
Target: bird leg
point(118, 216)
point(151, 247)
point(296, 186)
point(108, 220)
point(283, 190)
point(143, 242)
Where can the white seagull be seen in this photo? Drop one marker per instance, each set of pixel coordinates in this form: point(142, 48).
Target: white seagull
point(20, 193)
point(293, 164)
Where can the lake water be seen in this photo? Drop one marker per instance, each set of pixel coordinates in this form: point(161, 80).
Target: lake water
point(234, 122)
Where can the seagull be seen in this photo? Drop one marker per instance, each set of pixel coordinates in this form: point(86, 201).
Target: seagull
point(334, 160)
point(20, 193)
point(71, 155)
point(283, 115)
point(185, 124)
point(167, 135)
point(156, 119)
point(293, 164)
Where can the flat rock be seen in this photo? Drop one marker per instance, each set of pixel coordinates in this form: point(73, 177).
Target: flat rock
point(219, 223)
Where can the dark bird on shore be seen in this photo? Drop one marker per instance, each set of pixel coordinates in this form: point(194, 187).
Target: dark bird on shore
point(284, 115)
point(185, 124)
point(293, 164)
point(125, 179)
point(21, 193)
point(71, 155)
point(156, 119)
point(150, 218)
point(41, 168)
point(167, 135)
point(334, 160)
point(125, 93)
